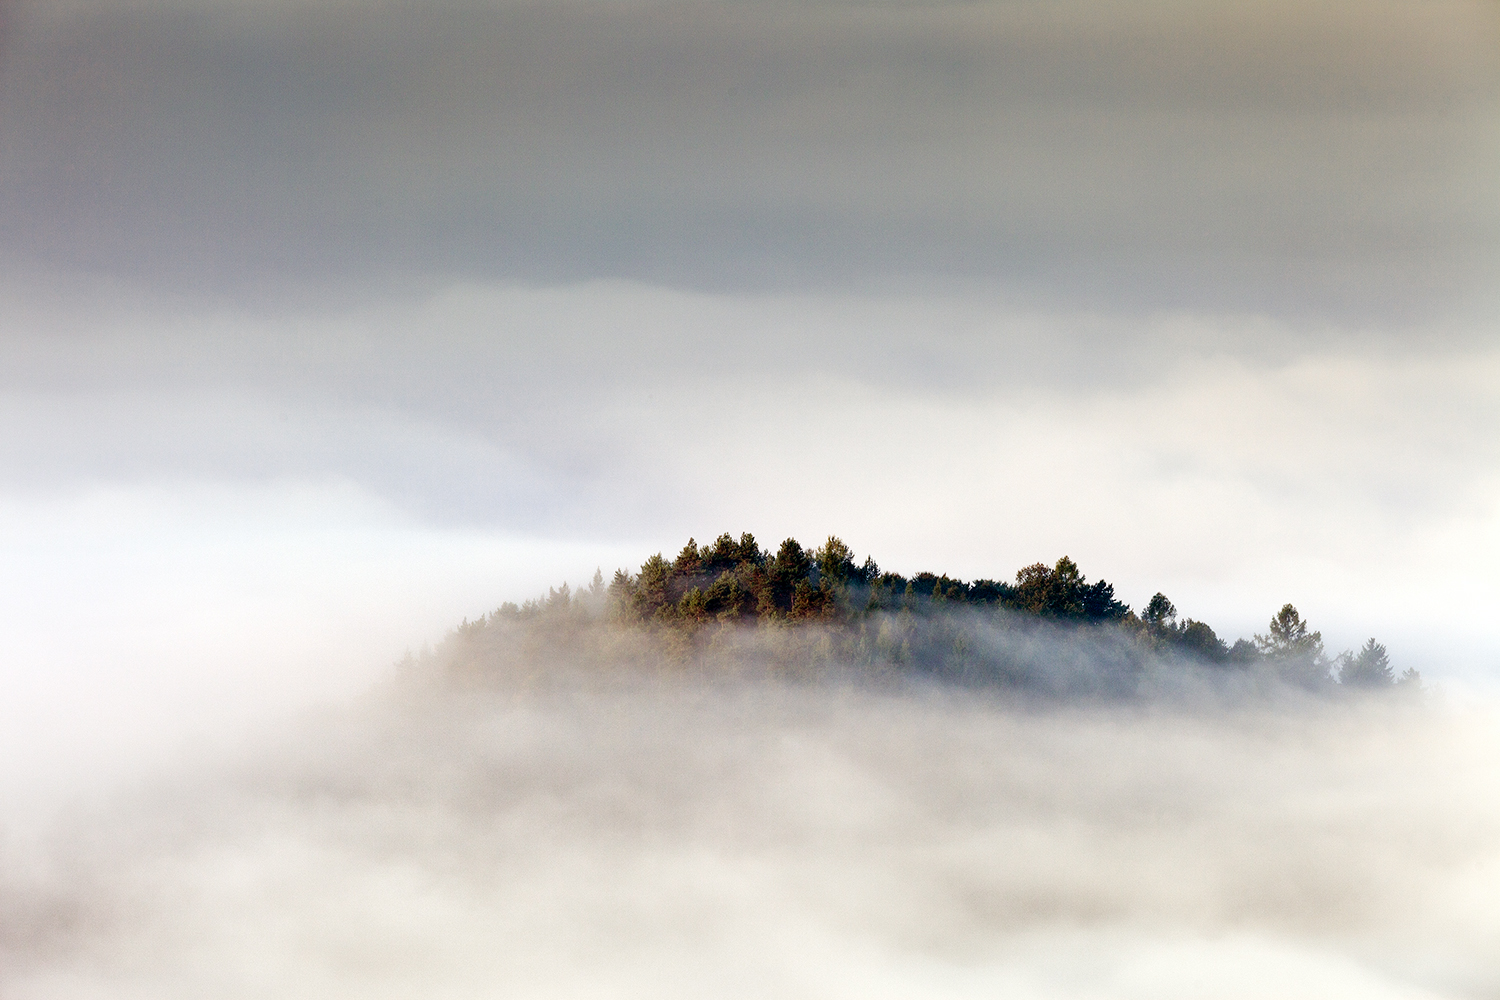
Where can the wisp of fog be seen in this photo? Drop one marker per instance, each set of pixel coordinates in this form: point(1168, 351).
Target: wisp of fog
point(652, 829)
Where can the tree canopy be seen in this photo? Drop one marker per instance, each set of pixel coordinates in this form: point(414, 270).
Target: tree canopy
point(855, 612)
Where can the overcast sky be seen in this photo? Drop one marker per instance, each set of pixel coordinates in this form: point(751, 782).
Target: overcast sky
point(328, 323)
point(1329, 158)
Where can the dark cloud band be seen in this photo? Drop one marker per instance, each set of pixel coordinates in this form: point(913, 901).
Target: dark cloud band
point(1271, 158)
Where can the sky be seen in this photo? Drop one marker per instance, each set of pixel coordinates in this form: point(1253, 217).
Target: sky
point(327, 324)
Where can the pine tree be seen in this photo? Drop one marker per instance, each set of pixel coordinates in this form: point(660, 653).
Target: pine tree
point(1369, 668)
point(1294, 648)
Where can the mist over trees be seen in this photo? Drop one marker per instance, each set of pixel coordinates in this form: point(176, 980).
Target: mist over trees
point(1051, 631)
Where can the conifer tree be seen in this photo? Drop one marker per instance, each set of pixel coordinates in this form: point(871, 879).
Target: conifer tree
point(1294, 648)
point(1369, 668)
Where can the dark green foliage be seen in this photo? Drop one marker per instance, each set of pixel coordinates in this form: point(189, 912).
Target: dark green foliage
point(1198, 640)
point(992, 592)
point(1039, 592)
point(1061, 593)
point(835, 563)
point(1159, 612)
point(923, 583)
point(726, 600)
point(650, 590)
point(734, 580)
point(1099, 604)
point(1160, 629)
point(984, 631)
point(725, 554)
point(792, 565)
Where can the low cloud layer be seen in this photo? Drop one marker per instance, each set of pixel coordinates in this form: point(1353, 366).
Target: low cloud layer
point(672, 837)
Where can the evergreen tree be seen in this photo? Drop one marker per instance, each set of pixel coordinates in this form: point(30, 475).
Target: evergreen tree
point(688, 560)
point(1160, 613)
point(650, 591)
point(1369, 668)
point(932, 622)
point(1243, 652)
point(1197, 639)
point(835, 563)
point(1099, 603)
point(1294, 648)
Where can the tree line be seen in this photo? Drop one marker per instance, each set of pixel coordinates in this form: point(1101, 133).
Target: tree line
point(929, 622)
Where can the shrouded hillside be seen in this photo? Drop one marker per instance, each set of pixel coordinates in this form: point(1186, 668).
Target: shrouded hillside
point(1051, 632)
point(667, 787)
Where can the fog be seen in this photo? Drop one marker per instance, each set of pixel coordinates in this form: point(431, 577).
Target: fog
point(661, 829)
point(327, 323)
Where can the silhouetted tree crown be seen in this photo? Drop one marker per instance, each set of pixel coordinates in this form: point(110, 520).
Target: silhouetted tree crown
point(1368, 668)
point(1295, 649)
point(929, 621)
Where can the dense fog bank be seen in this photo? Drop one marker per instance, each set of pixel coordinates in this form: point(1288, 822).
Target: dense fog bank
point(646, 831)
point(994, 654)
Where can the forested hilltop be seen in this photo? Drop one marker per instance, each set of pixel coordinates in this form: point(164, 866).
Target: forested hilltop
point(1051, 630)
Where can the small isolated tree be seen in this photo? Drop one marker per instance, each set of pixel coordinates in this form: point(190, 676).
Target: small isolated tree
point(1159, 611)
point(1369, 668)
point(1294, 648)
